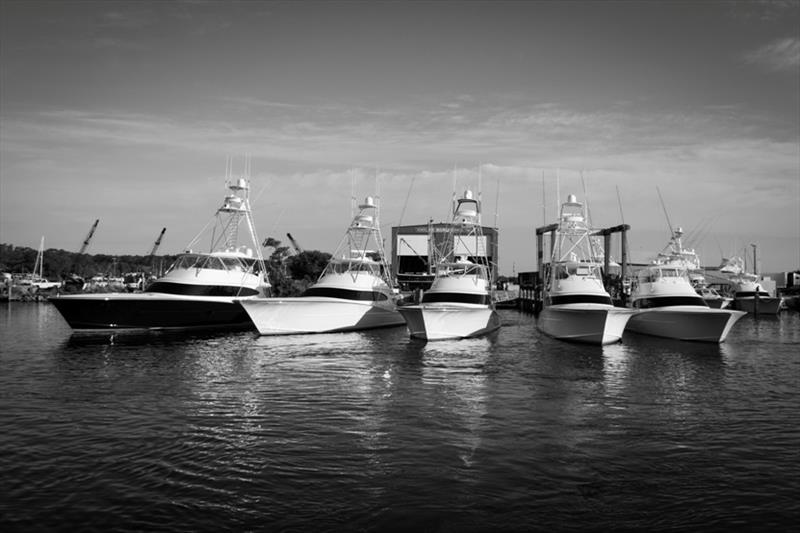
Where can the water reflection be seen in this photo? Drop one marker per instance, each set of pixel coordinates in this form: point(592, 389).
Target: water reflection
point(667, 378)
point(144, 337)
point(454, 372)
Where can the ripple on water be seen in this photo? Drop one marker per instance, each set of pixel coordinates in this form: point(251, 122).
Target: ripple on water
point(375, 431)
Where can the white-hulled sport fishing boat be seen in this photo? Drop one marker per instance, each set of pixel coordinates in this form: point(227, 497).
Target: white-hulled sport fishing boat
point(576, 306)
point(746, 287)
point(459, 302)
point(670, 307)
point(354, 291)
point(199, 291)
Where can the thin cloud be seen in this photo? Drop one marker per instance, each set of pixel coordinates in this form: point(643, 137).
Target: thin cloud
point(781, 55)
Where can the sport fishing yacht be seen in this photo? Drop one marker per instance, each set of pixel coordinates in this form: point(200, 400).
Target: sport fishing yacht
point(576, 306)
point(748, 293)
point(354, 292)
point(459, 302)
point(670, 307)
point(200, 290)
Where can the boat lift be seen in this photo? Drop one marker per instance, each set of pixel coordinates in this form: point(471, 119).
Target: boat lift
point(534, 287)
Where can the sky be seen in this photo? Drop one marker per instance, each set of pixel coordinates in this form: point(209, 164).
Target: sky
point(128, 112)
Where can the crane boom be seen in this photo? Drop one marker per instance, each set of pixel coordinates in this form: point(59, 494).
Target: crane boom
point(294, 244)
point(158, 242)
point(89, 237)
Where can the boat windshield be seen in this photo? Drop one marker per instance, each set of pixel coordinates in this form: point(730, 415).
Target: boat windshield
point(572, 268)
point(211, 262)
point(460, 269)
point(651, 275)
point(345, 266)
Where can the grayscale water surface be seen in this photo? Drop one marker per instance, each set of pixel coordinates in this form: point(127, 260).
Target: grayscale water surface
point(374, 431)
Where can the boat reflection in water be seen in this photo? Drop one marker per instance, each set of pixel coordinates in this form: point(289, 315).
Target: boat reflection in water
point(198, 291)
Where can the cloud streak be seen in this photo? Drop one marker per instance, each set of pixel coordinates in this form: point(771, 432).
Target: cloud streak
point(781, 55)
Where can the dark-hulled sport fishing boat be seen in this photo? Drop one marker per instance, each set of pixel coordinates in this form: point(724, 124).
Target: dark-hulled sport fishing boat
point(199, 291)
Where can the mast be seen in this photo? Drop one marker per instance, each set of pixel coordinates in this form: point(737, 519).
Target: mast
point(38, 266)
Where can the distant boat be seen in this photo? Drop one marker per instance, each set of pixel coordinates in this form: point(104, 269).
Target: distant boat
point(576, 305)
point(36, 282)
point(687, 257)
point(459, 302)
point(747, 290)
point(748, 293)
point(198, 291)
point(670, 307)
point(354, 292)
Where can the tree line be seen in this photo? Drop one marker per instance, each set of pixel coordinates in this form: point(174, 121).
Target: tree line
point(289, 273)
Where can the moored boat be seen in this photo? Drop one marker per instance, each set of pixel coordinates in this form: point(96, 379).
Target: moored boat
point(749, 296)
point(198, 291)
point(459, 303)
point(576, 306)
point(670, 307)
point(35, 283)
point(353, 292)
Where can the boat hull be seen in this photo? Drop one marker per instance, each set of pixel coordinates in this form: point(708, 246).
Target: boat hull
point(286, 316)
point(435, 322)
point(688, 323)
point(121, 311)
point(590, 324)
point(766, 305)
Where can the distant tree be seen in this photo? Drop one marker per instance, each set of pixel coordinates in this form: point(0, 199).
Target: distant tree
point(308, 265)
point(276, 268)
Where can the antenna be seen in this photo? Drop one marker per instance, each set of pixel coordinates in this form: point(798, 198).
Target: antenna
point(405, 204)
point(544, 204)
point(377, 198)
point(497, 203)
point(619, 201)
point(453, 206)
point(480, 193)
point(352, 193)
point(558, 191)
point(671, 231)
point(586, 213)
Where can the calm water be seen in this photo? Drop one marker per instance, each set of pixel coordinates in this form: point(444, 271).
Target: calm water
point(377, 432)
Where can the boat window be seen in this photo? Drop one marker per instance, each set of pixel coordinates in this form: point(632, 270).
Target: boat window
point(232, 263)
point(344, 267)
point(213, 263)
point(186, 262)
point(460, 269)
